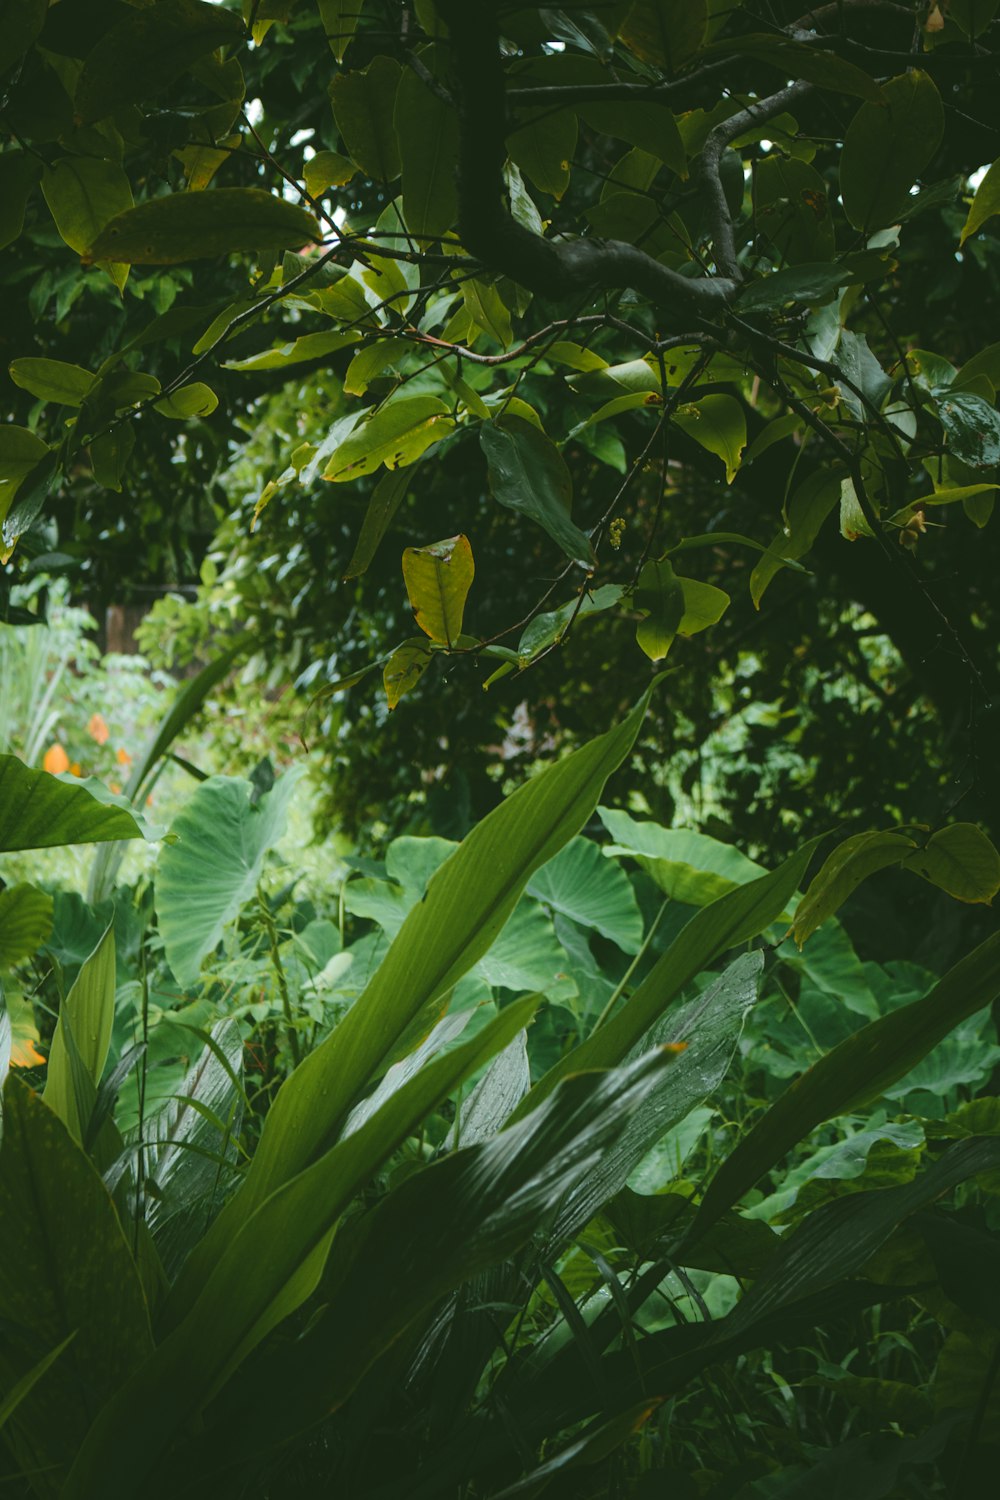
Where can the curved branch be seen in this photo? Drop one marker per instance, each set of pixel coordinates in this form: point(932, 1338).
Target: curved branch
point(551, 268)
point(710, 164)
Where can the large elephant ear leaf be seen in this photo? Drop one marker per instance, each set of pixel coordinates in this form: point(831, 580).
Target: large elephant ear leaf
point(38, 811)
point(582, 884)
point(203, 878)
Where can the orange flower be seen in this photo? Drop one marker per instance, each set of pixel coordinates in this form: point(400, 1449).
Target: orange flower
point(97, 729)
point(114, 787)
point(76, 769)
point(56, 760)
point(122, 756)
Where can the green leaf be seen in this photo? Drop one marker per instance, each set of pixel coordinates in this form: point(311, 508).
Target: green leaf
point(544, 147)
point(972, 428)
point(650, 127)
point(308, 346)
point(192, 226)
point(527, 473)
point(82, 1038)
point(18, 174)
point(466, 905)
point(436, 1230)
point(21, 22)
point(84, 193)
point(248, 1291)
point(427, 131)
point(38, 811)
point(796, 59)
point(438, 578)
point(665, 32)
point(708, 1029)
point(371, 360)
point(488, 311)
point(803, 283)
point(718, 424)
point(551, 626)
point(145, 51)
point(396, 435)
point(185, 1161)
point(386, 499)
point(887, 146)
point(580, 883)
point(732, 919)
point(404, 669)
point(808, 508)
point(24, 505)
point(20, 451)
point(194, 400)
point(704, 605)
point(66, 1269)
point(686, 865)
point(843, 871)
point(363, 105)
point(53, 380)
point(986, 203)
point(339, 20)
point(855, 1073)
point(327, 168)
point(25, 922)
point(792, 210)
point(660, 597)
point(109, 455)
point(12, 1400)
point(961, 860)
point(205, 877)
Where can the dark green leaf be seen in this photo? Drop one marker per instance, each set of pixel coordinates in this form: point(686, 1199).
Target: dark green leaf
point(193, 226)
point(66, 1269)
point(528, 474)
point(383, 505)
point(363, 105)
point(972, 427)
point(854, 1073)
point(887, 146)
point(427, 131)
point(139, 56)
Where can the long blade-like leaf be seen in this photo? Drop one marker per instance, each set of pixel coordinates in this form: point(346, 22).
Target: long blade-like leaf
point(731, 919)
point(466, 905)
point(854, 1073)
point(264, 1272)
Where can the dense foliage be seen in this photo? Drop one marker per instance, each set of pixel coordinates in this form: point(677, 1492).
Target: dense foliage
point(605, 1099)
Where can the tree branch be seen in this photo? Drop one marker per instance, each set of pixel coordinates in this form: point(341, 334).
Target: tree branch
point(553, 269)
point(710, 164)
